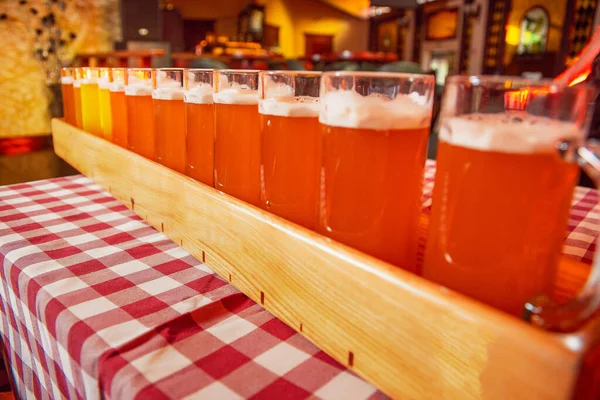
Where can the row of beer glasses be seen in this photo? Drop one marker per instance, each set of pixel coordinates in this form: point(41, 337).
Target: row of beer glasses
point(257, 137)
point(344, 154)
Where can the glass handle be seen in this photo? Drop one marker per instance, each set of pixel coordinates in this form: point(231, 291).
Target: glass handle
point(544, 313)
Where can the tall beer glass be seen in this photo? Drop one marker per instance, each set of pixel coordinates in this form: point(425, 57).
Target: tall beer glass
point(104, 101)
point(140, 112)
point(200, 125)
point(290, 143)
point(118, 107)
point(503, 188)
point(77, 96)
point(67, 77)
point(375, 128)
point(237, 134)
point(90, 101)
point(169, 118)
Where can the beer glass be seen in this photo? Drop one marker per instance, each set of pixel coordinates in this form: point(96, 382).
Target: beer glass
point(67, 77)
point(237, 134)
point(506, 171)
point(140, 112)
point(90, 101)
point(104, 101)
point(290, 142)
point(199, 125)
point(78, 72)
point(169, 118)
point(375, 128)
point(118, 106)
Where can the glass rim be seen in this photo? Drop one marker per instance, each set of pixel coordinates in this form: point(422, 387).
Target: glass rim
point(139, 69)
point(169, 69)
point(195, 70)
point(292, 73)
point(479, 80)
point(119, 76)
point(237, 71)
point(67, 71)
point(377, 75)
point(92, 71)
point(517, 82)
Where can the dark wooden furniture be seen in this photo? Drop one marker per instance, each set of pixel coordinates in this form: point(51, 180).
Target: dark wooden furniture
point(318, 44)
point(184, 60)
point(142, 58)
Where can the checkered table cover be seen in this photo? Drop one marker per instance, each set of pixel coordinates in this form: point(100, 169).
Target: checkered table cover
point(96, 303)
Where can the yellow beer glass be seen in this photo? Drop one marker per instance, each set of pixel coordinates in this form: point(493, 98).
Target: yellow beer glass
point(90, 101)
point(104, 100)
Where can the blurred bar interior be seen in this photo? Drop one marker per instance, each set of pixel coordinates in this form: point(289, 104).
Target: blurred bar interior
point(533, 38)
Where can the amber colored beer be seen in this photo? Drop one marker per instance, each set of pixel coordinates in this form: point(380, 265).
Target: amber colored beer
point(290, 163)
point(68, 103)
point(500, 212)
point(77, 103)
point(200, 141)
point(169, 118)
point(170, 133)
point(140, 112)
point(372, 190)
point(237, 145)
point(68, 96)
point(200, 125)
point(118, 106)
point(375, 128)
point(140, 125)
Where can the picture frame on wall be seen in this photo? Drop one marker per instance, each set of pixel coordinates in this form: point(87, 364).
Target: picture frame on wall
point(251, 23)
point(441, 24)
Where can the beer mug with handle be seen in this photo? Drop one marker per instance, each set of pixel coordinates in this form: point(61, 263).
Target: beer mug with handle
point(507, 167)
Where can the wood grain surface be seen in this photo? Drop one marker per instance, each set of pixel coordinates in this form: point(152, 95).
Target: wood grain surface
point(409, 337)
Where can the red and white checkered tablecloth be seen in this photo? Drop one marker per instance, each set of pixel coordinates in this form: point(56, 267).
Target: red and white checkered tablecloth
point(96, 303)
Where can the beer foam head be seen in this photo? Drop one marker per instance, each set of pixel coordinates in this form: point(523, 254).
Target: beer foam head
point(275, 89)
point(299, 106)
point(116, 87)
point(138, 86)
point(138, 89)
point(67, 80)
point(199, 94)
point(103, 83)
point(167, 88)
point(510, 132)
point(168, 93)
point(89, 81)
point(349, 109)
point(236, 94)
point(77, 83)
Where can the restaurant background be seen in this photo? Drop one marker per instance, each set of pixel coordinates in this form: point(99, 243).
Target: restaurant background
point(520, 37)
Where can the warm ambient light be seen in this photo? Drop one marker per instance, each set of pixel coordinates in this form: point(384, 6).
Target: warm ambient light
point(513, 35)
point(377, 11)
point(518, 99)
point(582, 77)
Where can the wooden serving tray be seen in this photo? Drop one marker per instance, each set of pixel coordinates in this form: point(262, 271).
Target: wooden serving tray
point(409, 337)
